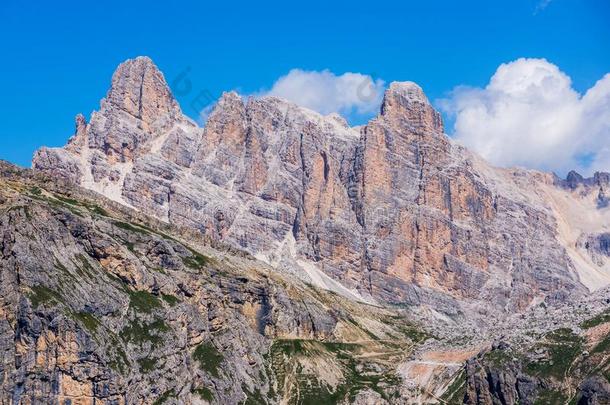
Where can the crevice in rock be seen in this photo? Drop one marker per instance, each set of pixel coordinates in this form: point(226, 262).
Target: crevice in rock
point(141, 91)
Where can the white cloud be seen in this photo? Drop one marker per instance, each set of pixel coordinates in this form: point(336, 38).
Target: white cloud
point(529, 115)
point(542, 4)
point(326, 92)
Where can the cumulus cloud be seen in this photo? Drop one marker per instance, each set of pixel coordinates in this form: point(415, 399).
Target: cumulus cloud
point(325, 92)
point(529, 115)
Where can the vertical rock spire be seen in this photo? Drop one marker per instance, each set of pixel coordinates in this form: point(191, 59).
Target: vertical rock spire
point(407, 101)
point(79, 139)
point(139, 88)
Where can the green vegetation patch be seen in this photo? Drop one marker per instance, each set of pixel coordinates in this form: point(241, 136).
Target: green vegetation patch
point(35, 190)
point(140, 333)
point(119, 362)
point(209, 358)
point(407, 329)
point(499, 358)
point(550, 397)
point(204, 393)
point(59, 266)
point(90, 322)
point(43, 295)
point(603, 346)
point(165, 396)
point(60, 203)
point(253, 398)
point(414, 333)
point(457, 390)
point(98, 210)
point(289, 347)
point(602, 318)
point(69, 201)
point(357, 375)
point(143, 301)
point(170, 299)
point(130, 228)
point(563, 348)
point(196, 260)
point(363, 329)
point(148, 364)
point(85, 267)
point(130, 246)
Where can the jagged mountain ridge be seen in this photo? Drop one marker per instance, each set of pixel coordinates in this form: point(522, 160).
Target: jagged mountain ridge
point(394, 210)
point(100, 302)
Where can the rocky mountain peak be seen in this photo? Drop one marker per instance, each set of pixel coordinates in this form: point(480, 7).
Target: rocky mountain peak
point(81, 122)
point(409, 91)
point(406, 102)
point(336, 117)
point(226, 124)
point(229, 101)
point(573, 179)
point(139, 88)
point(599, 183)
point(230, 97)
point(602, 178)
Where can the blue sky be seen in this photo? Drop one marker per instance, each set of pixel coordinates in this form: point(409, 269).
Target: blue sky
point(58, 57)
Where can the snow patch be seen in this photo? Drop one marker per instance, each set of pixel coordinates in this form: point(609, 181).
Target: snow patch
point(107, 188)
point(317, 277)
point(578, 215)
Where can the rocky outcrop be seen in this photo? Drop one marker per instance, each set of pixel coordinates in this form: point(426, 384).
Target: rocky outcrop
point(489, 386)
point(597, 247)
point(594, 391)
point(394, 210)
point(598, 184)
point(499, 384)
point(564, 362)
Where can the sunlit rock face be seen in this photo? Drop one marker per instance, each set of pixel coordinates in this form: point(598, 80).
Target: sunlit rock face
point(394, 211)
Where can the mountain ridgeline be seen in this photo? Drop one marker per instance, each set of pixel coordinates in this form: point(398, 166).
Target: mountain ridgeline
point(279, 256)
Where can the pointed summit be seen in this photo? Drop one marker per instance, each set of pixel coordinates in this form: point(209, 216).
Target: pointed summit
point(79, 139)
point(139, 88)
point(408, 91)
point(407, 101)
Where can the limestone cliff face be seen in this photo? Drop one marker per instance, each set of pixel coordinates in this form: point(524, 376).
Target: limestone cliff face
point(101, 304)
point(394, 210)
